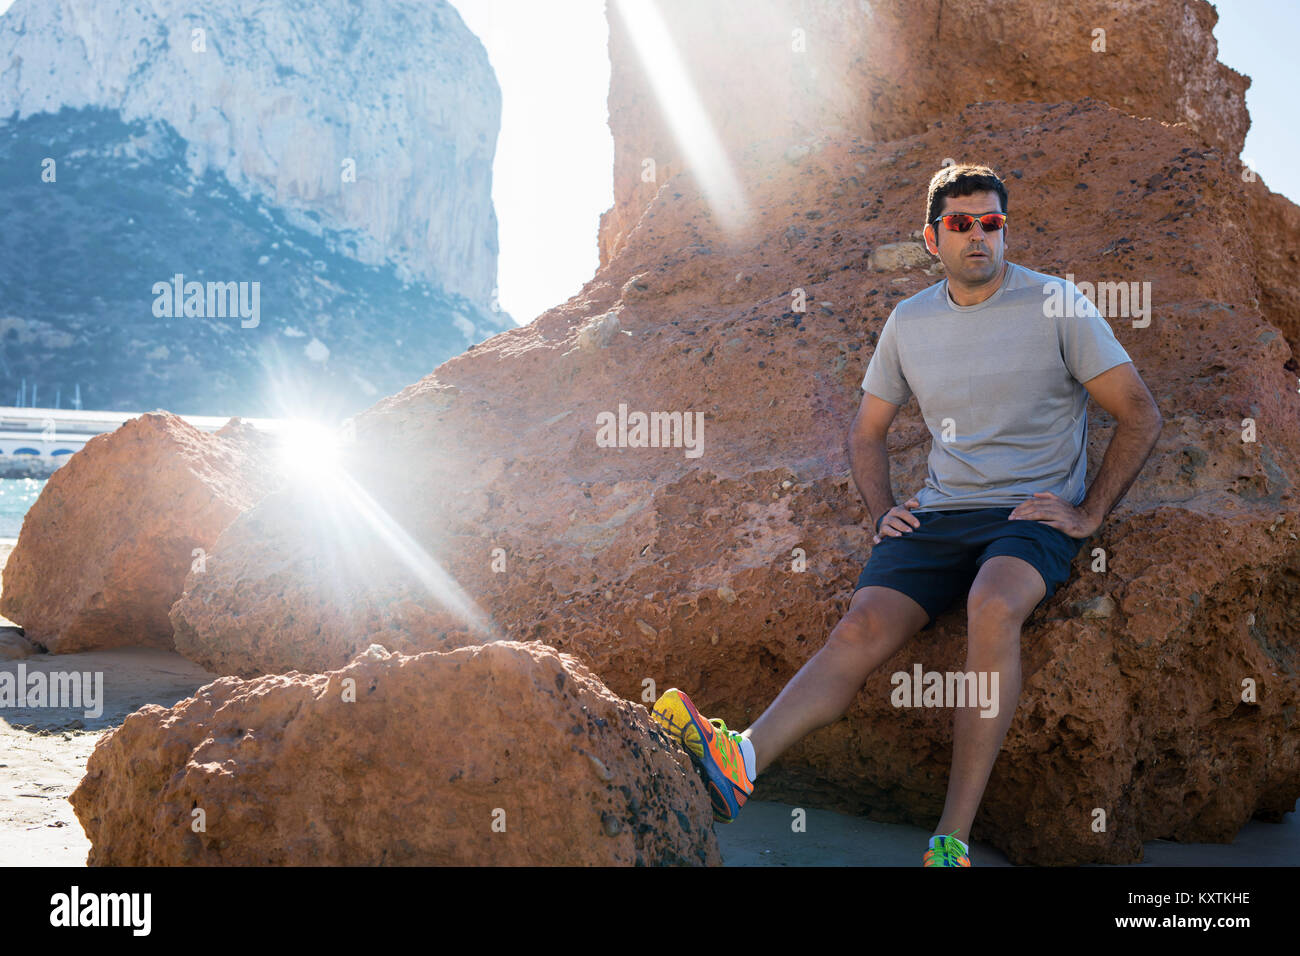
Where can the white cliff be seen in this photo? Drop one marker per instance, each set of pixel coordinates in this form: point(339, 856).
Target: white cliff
point(279, 95)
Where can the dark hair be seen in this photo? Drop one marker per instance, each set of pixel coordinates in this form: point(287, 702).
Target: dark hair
point(961, 179)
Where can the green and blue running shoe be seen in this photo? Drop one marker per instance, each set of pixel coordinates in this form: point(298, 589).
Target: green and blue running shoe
point(945, 852)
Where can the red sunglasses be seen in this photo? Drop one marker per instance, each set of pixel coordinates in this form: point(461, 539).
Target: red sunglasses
point(962, 222)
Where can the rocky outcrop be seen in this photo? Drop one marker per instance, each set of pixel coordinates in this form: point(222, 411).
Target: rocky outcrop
point(721, 568)
point(104, 551)
point(323, 108)
point(504, 754)
point(262, 207)
point(1275, 232)
point(884, 70)
point(14, 645)
point(246, 315)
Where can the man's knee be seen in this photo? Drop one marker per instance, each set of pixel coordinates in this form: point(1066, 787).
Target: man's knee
point(867, 625)
point(990, 606)
point(1004, 593)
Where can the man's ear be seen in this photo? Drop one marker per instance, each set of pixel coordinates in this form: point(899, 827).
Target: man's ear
point(931, 240)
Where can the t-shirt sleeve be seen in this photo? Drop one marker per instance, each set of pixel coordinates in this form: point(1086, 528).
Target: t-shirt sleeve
point(1088, 344)
point(884, 377)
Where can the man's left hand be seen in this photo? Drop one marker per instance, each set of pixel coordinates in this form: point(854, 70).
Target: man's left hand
point(1056, 512)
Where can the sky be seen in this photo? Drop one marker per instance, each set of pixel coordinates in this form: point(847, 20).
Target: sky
point(553, 171)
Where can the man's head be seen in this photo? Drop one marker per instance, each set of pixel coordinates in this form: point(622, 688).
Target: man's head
point(977, 255)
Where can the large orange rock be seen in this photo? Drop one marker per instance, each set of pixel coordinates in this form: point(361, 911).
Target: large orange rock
point(104, 551)
point(772, 73)
point(1275, 229)
point(504, 754)
point(723, 573)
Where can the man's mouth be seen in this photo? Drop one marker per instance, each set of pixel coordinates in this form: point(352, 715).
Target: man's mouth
point(977, 255)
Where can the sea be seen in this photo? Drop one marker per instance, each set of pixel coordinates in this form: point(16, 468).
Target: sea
point(16, 496)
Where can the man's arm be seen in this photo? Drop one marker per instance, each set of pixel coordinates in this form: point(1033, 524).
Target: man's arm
point(868, 459)
point(1122, 393)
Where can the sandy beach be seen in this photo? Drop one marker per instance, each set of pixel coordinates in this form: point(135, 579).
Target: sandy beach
point(43, 751)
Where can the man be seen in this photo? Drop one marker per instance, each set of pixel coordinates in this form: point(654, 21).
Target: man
point(1002, 379)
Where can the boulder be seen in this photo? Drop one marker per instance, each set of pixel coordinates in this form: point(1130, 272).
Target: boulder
point(501, 754)
point(13, 645)
point(775, 79)
point(723, 573)
point(1159, 684)
point(104, 551)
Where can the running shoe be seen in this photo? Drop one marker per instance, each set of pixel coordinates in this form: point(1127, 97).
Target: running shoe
point(945, 852)
point(714, 749)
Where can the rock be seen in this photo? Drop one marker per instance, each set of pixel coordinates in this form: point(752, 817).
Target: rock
point(893, 256)
point(618, 555)
point(14, 645)
point(1275, 237)
point(224, 620)
point(287, 771)
point(867, 69)
point(598, 333)
point(1103, 606)
point(104, 551)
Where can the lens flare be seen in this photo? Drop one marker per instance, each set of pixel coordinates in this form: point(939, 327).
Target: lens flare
point(309, 451)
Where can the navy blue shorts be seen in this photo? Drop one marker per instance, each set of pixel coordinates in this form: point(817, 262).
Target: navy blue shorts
point(936, 563)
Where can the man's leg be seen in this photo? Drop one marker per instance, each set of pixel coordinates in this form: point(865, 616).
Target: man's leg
point(1003, 595)
point(878, 622)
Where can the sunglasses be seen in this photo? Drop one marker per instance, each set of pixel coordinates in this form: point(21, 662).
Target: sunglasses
point(962, 222)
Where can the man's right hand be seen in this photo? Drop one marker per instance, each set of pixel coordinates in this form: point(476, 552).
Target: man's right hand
point(898, 521)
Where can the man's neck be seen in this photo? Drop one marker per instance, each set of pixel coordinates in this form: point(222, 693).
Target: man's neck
point(974, 295)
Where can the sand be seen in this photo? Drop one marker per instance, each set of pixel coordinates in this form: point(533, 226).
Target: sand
point(43, 751)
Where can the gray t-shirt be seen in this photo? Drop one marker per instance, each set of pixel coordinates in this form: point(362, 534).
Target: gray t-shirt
point(999, 385)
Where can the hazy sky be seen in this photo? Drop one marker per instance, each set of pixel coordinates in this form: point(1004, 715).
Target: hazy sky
point(553, 171)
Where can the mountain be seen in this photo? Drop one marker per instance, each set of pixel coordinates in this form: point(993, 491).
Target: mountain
point(333, 160)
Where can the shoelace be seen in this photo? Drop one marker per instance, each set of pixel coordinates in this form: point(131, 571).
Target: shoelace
point(945, 852)
point(734, 763)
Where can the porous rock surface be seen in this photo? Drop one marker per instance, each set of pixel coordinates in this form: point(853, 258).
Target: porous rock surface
point(501, 754)
point(885, 69)
point(104, 551)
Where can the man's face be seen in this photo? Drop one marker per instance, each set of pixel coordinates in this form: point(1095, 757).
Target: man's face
point(974, 257)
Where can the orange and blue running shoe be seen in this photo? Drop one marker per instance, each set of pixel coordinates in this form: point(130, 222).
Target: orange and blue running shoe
point(945, 852)
point(713, 748)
